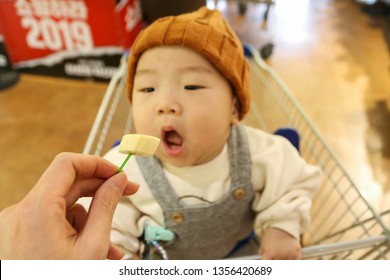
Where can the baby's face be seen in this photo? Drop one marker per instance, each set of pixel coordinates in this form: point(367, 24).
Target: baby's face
point(181, 98)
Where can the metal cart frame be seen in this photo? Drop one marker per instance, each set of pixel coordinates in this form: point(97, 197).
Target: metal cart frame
point(344, 224)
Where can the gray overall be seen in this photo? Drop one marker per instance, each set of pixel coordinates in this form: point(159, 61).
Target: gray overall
point(207, 231)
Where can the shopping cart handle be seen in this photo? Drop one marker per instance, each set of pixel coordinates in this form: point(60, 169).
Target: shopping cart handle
point(334, 248)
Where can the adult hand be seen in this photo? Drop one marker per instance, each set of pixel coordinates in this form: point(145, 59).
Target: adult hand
point(47, 224)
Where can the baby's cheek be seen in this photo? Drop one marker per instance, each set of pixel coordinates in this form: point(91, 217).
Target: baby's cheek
point(142, 123)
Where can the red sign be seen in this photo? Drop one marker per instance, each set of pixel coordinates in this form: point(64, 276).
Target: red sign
point(36, 29)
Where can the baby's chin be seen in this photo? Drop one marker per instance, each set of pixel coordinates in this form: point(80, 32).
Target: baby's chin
point(176, 162)
point(181, 161)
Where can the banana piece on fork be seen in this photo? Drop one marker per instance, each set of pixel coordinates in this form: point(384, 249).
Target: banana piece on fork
point(139, 144)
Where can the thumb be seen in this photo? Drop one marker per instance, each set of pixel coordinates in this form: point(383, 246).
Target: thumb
point(95, 237)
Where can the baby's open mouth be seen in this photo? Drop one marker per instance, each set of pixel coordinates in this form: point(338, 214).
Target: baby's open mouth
point(172, 139)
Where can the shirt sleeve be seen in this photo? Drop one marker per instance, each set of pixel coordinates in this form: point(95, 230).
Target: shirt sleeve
point(284, 184)
point(125, 229)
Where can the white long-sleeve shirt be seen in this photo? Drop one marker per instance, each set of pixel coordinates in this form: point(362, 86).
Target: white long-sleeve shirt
point(283, 183)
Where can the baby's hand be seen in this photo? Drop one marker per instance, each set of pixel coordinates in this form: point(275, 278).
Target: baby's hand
point(279, 245)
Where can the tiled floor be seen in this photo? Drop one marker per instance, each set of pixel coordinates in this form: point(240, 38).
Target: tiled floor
point(333, 57)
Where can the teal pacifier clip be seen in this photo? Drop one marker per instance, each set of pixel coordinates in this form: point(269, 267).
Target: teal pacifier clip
point(157, 233)
point(153, 234)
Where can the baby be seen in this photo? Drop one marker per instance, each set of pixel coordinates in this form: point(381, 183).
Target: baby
point(213, 182)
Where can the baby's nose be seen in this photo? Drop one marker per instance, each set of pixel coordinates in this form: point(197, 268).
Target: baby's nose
point(166, 110)
point(168, 105)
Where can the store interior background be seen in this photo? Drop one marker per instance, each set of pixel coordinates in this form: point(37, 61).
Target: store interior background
point(333, 55)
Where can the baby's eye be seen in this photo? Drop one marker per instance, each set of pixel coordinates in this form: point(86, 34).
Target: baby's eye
point(147, 90)
point(192, 87)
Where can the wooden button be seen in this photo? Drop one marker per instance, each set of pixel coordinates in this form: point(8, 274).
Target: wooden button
point(177, 217)
point(239, 194)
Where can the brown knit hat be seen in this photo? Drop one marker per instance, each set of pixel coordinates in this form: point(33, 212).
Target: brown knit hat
point(206, 32)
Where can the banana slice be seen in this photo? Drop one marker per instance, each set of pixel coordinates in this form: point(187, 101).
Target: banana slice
point(139, 144)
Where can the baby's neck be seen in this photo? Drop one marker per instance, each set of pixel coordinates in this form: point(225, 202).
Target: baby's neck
point(220, 161)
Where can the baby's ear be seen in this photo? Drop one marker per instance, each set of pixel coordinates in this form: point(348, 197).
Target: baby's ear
point(235, 115)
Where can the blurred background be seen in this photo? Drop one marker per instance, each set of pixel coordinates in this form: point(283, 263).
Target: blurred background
point(333, 55)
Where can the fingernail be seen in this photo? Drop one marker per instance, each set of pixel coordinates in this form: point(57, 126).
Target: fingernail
point(134, 183)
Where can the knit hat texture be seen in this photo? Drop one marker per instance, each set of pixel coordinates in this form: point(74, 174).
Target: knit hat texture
point(207, 33)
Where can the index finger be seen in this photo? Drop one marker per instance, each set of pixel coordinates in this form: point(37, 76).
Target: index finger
point(59, 177)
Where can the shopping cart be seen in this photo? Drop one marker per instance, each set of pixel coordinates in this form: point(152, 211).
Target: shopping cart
point(344, 224)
